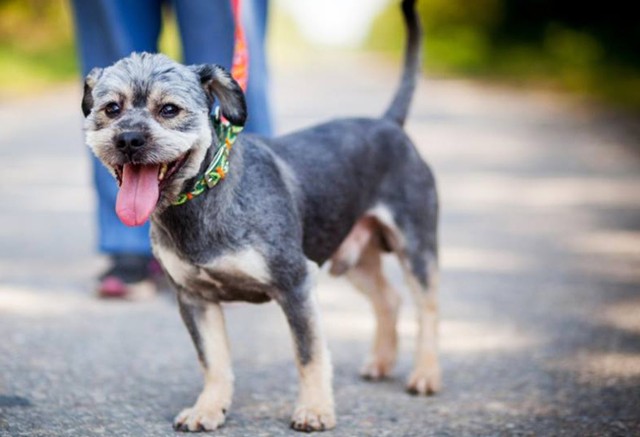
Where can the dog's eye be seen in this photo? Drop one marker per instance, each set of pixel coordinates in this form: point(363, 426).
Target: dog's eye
point(112, 110)
point(169, 110)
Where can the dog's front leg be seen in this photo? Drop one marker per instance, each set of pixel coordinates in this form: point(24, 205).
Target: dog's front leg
point(205, 323)
point(314, 410)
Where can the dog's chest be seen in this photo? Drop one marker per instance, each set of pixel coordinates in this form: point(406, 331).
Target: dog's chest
point(242, 275)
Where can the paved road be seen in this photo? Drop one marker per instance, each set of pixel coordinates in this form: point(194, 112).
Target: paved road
point(540, 298)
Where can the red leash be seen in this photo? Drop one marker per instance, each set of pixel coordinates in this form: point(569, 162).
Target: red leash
point(240, 65)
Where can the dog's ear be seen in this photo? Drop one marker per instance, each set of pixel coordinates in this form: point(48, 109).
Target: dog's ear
point(89, 83)
point(218, 83)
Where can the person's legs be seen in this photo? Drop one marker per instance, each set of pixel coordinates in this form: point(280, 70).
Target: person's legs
point(106, 31)
point(207, 29)
point(254, 16)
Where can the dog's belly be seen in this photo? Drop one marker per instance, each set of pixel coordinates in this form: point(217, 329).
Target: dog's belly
point(238, 276)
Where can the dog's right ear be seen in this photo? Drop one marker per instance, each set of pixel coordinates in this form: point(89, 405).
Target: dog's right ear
point(217, 82)
point(89, 83)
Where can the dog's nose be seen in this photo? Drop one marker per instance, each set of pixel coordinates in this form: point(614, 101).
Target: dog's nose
point(129, 142)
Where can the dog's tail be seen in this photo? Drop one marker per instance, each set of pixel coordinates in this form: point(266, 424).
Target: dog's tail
point(399, 107)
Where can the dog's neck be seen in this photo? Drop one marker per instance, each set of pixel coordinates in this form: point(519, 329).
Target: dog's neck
point(206, 160)
point(226, 134)
point(213, 203)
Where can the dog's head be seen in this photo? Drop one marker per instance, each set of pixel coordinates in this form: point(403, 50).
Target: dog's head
point(147, 120)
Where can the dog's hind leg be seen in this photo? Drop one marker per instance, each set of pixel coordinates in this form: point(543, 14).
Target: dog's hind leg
point(205, 323)
point(414, 239)
point(314, 409)
point(367, 276)
point(425, 378)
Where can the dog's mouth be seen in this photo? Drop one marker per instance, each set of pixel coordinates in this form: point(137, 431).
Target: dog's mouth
point(140, 187)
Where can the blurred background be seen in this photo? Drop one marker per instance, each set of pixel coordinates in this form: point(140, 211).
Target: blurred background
point(569, 45)
point(528, 113)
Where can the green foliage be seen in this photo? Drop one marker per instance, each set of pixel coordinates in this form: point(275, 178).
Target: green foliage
point(22, 71)
point(561, 44)
point(36, 46)
point(457, 40)
point(33, 24)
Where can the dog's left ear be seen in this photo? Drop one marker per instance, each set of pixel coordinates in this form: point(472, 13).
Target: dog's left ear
point(89, 83)
point(218, 83)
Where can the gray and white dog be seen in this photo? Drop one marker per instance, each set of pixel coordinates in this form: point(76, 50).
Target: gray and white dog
point(345, 191)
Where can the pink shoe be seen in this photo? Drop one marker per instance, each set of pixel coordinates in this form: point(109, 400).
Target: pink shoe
point(129, 277)
point(112, 286)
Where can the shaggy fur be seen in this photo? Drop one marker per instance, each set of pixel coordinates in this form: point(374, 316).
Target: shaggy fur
point(344, 191)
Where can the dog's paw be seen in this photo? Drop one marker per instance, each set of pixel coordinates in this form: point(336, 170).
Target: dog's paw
point(375, 369)
point(197, 419)
point(309, 419)
point(424, 382)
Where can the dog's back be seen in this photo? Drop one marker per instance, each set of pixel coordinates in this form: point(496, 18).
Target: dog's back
point(347, 166)
point(342, 169)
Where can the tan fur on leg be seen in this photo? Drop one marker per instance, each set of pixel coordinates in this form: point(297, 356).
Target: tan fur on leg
point(314, 409)
point(368, 277)
point(208, 413)
point(425, 378)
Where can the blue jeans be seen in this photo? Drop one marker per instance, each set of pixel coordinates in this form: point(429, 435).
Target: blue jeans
point(108, 30)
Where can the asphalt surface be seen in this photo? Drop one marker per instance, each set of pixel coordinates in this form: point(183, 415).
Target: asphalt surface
point(540, 297)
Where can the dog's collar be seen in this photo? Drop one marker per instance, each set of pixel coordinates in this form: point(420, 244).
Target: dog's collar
point(217, 170)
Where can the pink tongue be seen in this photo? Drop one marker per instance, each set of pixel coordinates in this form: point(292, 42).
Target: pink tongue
point(138, 193)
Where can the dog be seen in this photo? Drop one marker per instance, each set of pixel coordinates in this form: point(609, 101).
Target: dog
point(343, 192)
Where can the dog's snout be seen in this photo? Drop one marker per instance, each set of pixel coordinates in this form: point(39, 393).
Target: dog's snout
point(128, 142)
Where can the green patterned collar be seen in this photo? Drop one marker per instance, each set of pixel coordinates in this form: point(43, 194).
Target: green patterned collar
point(219, 167)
